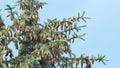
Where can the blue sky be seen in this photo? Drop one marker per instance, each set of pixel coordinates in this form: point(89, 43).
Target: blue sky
point(102, 30)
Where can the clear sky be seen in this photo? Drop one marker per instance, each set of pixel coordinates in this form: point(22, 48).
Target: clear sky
point(102, 30)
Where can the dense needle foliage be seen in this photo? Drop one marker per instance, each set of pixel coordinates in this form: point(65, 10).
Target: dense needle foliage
point(41, 45)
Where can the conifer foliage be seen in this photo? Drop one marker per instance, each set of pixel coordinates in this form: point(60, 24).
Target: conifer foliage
point(41, 45)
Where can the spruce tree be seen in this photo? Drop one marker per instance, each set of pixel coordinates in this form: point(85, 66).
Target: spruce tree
point(41, 45)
